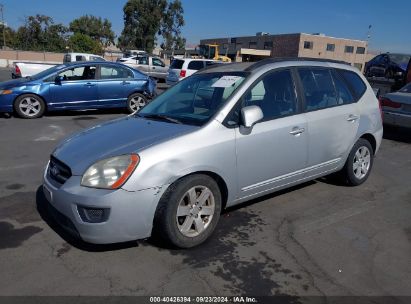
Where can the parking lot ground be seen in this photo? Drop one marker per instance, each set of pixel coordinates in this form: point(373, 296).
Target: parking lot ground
point(320, 238)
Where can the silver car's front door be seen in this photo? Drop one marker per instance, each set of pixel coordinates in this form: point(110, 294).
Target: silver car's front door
point(274, 153)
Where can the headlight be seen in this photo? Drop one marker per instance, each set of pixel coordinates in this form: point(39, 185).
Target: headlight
point(5, 92)
point(110, 173)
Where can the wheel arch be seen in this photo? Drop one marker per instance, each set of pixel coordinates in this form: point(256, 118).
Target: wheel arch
point(222, 185)
point(371, 139)
point(37, 95)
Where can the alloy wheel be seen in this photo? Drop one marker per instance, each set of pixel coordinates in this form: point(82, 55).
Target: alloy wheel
point(361, 162)
point(195, 211)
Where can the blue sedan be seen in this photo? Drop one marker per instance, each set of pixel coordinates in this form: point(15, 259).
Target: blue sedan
point(77, 86)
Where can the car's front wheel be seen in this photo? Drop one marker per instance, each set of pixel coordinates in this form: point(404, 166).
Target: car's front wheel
point(135, 102)
point(359, 163)
point(29, 106)
point(189, 211)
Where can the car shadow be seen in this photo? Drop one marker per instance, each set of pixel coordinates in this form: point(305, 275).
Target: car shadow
point(86, 113)
point(43, 209)
point(397, 134)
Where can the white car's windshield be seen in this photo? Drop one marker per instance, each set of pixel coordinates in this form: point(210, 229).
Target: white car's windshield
point(194, 100)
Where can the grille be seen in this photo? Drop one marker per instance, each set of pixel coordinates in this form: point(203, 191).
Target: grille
point(58, 171)
point(93, 215)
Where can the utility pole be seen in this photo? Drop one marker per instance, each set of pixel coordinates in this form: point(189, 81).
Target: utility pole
point(4, 26)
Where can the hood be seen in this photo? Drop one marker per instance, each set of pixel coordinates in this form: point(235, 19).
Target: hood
point(117, 137)
point(14, 83)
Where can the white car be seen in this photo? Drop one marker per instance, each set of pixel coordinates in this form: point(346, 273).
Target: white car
point(182, 68)
point(73, 57)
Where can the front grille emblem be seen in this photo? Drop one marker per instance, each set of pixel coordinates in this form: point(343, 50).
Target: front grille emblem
point(54, 170)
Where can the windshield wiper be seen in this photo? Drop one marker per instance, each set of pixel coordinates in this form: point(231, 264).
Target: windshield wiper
point(160, 117)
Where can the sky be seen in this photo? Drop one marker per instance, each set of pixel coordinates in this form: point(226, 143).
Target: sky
point(390, 29)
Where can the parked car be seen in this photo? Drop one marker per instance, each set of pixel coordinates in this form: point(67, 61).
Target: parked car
point(182, 68)
point(396, 107)
point(150, 65)
point(391, 66)
point(223, 136)
point(73, 57)
point(77, 86)
point(26, 69)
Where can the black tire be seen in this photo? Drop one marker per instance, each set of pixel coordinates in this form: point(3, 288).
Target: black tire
point(167, 224)
point(33, 104)
point(350, 175)
point(135, 102)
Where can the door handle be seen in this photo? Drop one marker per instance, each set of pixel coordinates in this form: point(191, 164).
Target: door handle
point(297, 131)
point(125, 82)
point(89, 84)
point(352, 118)
point(153, 68)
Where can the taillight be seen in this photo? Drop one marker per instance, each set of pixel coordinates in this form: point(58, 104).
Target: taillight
point(18, 72)
point(380, 106)
point(386, 102)
point(183, 73)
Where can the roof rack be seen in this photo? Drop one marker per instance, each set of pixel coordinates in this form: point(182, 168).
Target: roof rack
point(282, 59)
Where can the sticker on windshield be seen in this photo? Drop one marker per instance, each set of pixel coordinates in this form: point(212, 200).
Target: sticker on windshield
point(226, 81)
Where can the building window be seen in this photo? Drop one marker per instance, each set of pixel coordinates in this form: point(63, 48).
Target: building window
point(308, 45)
point(349, 49)
point(358, 66)
point(225, 45)
point(330, 47)
point(268, 45)
point(360, 50)
point(238, 45)
point(252, 45)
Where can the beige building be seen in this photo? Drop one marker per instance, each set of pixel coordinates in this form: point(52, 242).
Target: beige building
point(294, 45)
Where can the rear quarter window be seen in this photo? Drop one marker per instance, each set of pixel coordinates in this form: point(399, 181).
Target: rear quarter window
point(177, 64)
point(355, 82)
point(196, 65)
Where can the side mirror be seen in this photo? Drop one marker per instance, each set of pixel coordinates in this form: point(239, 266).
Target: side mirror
point(251, 115)
point(58, 79)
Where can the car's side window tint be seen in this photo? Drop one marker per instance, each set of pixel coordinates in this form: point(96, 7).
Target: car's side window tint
point(344, 95)
point(108, 72)
point(79, 73)
point(195, 65)
point(355, 82)
point(274, 94)
point(319, 90)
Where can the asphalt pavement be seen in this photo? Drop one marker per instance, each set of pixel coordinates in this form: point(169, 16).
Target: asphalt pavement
point(320, 238)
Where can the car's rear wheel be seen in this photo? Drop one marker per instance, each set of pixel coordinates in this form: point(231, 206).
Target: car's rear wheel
point(359, 163)
point(135, 102)
point(189, 211)
point(29, 106)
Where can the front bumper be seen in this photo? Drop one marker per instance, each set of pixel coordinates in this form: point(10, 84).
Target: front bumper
point(130, 217)
point(6, 103)
point(397, 119)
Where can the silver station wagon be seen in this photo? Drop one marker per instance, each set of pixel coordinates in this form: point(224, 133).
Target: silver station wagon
point(227, 134)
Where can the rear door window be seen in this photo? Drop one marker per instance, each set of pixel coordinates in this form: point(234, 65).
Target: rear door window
point(196, 65)
point(319, 90)
point(113, 72)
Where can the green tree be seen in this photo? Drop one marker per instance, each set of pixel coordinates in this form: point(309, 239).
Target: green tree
point(84, 44)
point(40, 33)
point(10, 36)
point(94, 27)
point(144, 19)
point(171, 24)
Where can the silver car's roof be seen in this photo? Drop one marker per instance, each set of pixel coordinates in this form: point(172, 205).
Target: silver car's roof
point(254, 66)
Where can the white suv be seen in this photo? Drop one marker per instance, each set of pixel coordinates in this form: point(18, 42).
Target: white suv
point(182, 68)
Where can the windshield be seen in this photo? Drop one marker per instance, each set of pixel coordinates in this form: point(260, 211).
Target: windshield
point(406, 89)
point(196, 99)
point(400, 59)
point(48, 72)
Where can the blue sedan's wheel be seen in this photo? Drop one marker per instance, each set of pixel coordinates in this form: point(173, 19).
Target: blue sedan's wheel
point(135, 102)
point(29, 106)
